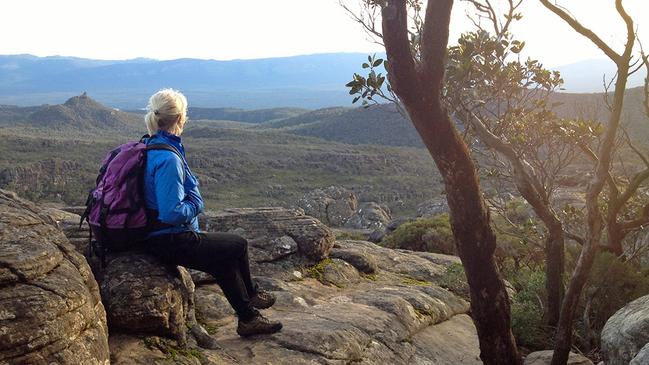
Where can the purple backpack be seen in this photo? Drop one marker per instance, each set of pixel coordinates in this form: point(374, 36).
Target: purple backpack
point(115, 208)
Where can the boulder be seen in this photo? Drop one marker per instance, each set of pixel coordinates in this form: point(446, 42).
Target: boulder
point(642, 358)
point(362, 262)
point(432, 207)
point(264, 226)
point(332, 205)
point(339, 273)
point(69, 224)
point(378, 234)
point(274, 249)
point(50, 307)
point(369, 216)
point(626, 334)
point(141, 295)
point(545, 358)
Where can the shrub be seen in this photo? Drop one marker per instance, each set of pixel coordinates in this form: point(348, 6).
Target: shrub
point(356, 236)
point(425, 234)
point(527, 310)
point(612, 284)
point(454, 279)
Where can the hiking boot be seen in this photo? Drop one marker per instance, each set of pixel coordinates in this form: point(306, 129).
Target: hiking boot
point(257, 325)
point(262, 300)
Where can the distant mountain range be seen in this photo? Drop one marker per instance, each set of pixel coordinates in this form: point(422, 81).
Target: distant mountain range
point(378, 125)
point(312, 81)
point(301, 81)
point(588, 76)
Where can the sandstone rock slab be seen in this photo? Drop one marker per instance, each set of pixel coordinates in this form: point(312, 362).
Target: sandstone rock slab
point(545, 358)
point(50, 308)
point(141, 295)
point(332, 205)
point(314, 239)
point(369, 215)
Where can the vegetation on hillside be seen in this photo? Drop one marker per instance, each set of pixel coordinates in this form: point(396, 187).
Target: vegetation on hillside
point(236, 166)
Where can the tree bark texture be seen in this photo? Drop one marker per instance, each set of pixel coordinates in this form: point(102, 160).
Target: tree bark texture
point(554, 268)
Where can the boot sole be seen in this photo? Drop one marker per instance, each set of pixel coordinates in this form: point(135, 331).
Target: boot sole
point(268, 331)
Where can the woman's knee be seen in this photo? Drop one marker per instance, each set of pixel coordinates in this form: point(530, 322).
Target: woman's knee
point(242, 244)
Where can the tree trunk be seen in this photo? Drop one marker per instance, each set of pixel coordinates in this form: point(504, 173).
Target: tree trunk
point(563, 337)
point(419, 85)
point(615, 237)
point(474, 237)
point(554, 268)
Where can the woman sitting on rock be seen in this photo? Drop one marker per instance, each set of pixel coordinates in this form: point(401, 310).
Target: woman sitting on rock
point(173, 203)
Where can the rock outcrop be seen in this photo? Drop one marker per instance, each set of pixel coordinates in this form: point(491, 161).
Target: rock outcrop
point(332, 205)
point(38, 179)
point(264, 226)
point(545, 358)
point(432, 207)
point(50, 307)
point(367, 305)
point(141, 295)
point(369, 216)
point(351, 301)
point(625, 337)
point(378, 234)
point(358, 303)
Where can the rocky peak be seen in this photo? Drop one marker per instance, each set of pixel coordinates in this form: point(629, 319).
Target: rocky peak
point(84, 112)
point(84, 101)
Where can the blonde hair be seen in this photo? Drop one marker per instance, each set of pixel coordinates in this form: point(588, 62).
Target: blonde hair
point(167, 110)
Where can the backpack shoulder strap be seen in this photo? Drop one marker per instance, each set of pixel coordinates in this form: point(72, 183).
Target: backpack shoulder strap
point(164, 146)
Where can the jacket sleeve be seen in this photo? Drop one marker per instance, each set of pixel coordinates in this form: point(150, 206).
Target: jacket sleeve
point(195, 197)
point(193, 194)
point(174, 207)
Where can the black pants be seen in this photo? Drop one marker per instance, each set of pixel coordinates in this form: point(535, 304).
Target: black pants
point(223, 255)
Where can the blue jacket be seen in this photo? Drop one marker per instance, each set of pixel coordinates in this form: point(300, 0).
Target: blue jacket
point(178, 202)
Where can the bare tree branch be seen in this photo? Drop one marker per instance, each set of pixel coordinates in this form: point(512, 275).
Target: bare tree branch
point(582, 30)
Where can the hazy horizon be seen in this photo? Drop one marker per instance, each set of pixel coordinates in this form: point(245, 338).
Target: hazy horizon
point(256, 29)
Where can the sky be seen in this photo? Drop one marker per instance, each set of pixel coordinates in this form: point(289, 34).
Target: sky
point(244, 29)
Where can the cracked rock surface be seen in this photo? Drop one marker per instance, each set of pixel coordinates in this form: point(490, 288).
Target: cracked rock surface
point(50, 308)
point(625, 337)
point(335, 314)
point(341, 302)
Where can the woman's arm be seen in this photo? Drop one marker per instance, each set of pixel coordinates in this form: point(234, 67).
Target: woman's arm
point(174, 206)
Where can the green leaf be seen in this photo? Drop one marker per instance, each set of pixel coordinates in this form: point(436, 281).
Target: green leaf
point(377, 63)
point(355, 99)
point(366, 65)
